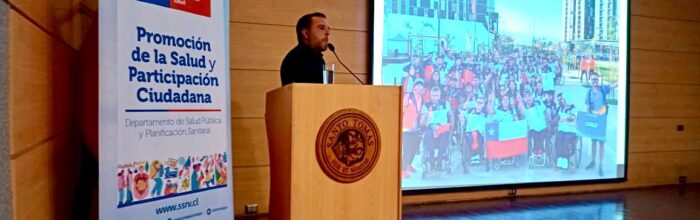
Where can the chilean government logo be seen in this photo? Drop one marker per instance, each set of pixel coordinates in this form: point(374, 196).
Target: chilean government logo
point(348, 145)
point(199, 7)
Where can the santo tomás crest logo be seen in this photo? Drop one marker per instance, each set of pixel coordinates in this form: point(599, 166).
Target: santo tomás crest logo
point(348, 145)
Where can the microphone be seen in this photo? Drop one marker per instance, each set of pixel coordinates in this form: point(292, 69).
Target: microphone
point(332, 48)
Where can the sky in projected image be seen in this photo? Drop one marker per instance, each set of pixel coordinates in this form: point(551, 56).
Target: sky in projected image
point(524, 20)
point(500, 92)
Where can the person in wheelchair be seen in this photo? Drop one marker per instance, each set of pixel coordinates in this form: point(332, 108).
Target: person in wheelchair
point(566, 133)
point(473, 147)
point(552, 118)
point(537, 125)
point(455, 96)
point(436, 132)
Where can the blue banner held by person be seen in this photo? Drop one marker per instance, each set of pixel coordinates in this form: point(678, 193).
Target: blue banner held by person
point(591, 125)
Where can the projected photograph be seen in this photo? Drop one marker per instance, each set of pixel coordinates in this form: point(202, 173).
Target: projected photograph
point(502, 92)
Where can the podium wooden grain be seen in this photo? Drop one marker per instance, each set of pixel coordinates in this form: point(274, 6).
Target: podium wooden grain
point(299, 189)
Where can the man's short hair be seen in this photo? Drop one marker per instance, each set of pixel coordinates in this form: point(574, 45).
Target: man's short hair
point(305, 22)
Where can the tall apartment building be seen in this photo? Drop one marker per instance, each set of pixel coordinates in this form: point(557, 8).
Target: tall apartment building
point(585, 20)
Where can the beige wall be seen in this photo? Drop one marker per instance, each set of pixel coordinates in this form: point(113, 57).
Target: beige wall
point(665, 62)
point(44, 41)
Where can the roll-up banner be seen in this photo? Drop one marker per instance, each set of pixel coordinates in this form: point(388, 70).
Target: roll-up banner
point(164, 110)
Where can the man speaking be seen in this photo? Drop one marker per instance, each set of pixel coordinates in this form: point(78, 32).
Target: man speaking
point(304, 63)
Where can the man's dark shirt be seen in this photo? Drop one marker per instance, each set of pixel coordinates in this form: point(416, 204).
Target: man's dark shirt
point(302, 65)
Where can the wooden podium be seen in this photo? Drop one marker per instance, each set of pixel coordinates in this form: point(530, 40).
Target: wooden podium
point(299, 187)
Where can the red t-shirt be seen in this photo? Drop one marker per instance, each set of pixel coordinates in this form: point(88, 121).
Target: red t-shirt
point(411, 110)
point(467, 77)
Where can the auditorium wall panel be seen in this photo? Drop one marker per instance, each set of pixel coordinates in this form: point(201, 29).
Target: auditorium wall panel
point(663, 100)
point(43, 43)
point(57, 17)
point(665, 34)
point(263, 47)
point(668, 9)
point(249, 142)
point(253, 186)
point(44, 180)
point(660, 134)
point(664, 78)
point(40, 68)
point(343, 15)
point(248, 96)
point(664, 65)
